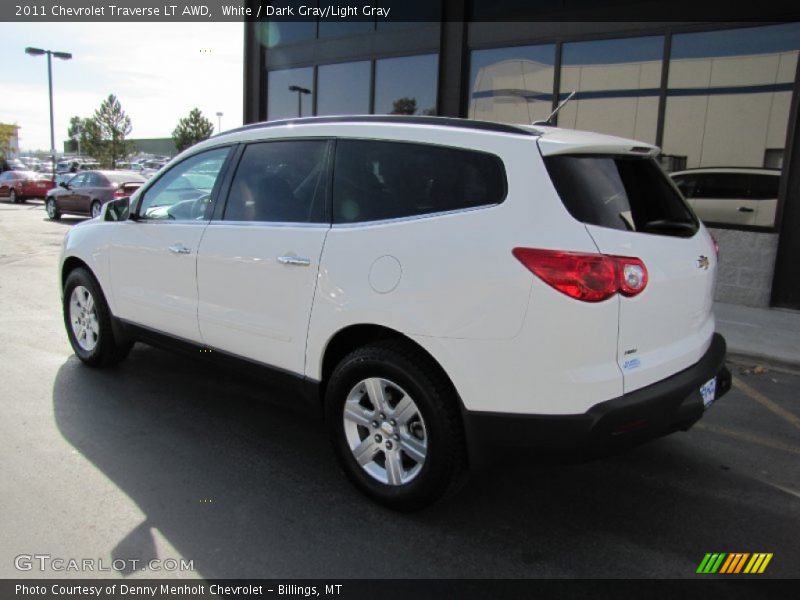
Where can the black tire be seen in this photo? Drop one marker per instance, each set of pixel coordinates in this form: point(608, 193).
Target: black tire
point(95, 204)
point(53, 215)
point(402, 364)
point(108, 349)
point(12, 196)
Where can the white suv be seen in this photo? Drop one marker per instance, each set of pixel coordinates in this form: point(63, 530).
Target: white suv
point(442, 289)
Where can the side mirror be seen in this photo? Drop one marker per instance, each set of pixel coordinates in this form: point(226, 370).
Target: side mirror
point(118, 209)
point(64, 185)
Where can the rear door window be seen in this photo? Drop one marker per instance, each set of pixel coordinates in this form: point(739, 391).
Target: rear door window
point(619, 192)
point(280, 182)
point(377, 180)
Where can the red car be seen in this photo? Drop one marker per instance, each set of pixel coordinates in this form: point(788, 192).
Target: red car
point(18, 186)
point(87, 191)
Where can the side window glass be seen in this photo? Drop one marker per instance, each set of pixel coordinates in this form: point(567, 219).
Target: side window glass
point(764, 187)
point(376, 180)
point(93, 180)
point(279, 182)
point(77, 181)
point(183, 192)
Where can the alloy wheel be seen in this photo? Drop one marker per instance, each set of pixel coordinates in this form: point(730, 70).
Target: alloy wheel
point(385, 431)
point(83, 318)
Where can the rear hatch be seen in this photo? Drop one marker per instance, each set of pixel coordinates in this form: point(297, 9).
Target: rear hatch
point(630, 208)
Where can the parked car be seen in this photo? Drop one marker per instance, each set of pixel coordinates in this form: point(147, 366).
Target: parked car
point(151, 167)
point(12, 164)
point(77, 164)
point(731, 196)
point(441, 289)
point(19, 186)
point(86, 192)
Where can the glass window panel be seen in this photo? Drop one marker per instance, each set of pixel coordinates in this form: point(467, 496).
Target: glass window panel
point(279, 182)
point(278, 31)
point(343, 89)
point(513, 85)
point(183, 192)
point(617, 85)
point(342, 27)
point(376, 180)
point(407, 85)
point(728, 101)
point(418, 13)
point(283, 103)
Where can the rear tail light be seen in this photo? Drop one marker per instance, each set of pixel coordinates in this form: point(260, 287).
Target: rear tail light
point(586, 277)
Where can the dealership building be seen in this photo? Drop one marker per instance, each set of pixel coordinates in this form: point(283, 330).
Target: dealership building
point(720, 99)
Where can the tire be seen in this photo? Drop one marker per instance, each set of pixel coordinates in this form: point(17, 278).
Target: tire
point(89, 322)
point(52, 209)
point(413, 449)
point(95, 209)
point(12, 196)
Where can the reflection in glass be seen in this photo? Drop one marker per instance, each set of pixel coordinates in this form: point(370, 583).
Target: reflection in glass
point(342, 27)
point(407, 85)
point(617, 85)
point(728, 101)
point(343, 89)
point(514, 85)
point(277, 31)
point(289, 93)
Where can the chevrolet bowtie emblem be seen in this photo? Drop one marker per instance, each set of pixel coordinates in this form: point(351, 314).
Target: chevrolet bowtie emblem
point(703, 263)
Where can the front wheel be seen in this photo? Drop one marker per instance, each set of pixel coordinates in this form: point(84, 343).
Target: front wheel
point(88, 322)
point(394, 423)
point(12, 197)
point(52, 209)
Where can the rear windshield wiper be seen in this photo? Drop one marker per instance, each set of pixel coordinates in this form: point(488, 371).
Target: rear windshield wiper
point(665, 224)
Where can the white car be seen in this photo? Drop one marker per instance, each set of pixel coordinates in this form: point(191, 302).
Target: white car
point(443, 290)
point(731, 196)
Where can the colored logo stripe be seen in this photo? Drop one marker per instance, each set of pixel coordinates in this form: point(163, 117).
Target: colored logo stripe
point(734, 562)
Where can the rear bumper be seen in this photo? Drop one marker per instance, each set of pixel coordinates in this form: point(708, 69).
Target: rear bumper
point(672, 404)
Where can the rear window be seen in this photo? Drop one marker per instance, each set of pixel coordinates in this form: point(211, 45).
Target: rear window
point(376, 180)
point(123, 177)
point(627, 193)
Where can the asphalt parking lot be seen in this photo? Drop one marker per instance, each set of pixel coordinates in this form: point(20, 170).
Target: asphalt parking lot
point(163, 457)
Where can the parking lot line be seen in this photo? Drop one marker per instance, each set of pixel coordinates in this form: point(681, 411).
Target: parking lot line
point(784, 414)
point(749, 437)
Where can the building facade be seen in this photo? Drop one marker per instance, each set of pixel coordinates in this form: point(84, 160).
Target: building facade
point(720, 99)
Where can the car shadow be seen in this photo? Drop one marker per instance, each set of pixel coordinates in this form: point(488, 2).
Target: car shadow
point(68, 221)
point(246, 486)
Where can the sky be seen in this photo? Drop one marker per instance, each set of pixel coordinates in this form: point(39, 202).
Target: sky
point(159, 72)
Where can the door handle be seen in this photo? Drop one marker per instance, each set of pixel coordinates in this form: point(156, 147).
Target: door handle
point(745, 209)
point(179, 249)
point(297, 261)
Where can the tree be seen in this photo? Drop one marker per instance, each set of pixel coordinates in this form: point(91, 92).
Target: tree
point(114, 125)
point(7, 133)
point(404, 106)
point(92, 143)
point(192, 129)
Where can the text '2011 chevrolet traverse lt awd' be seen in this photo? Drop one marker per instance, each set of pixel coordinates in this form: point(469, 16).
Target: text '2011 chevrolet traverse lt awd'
point(442, 289)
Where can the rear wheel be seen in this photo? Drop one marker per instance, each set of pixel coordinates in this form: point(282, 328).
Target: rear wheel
point(88, 322)
point(96, 208)
point(52, 209)
point(394, 423)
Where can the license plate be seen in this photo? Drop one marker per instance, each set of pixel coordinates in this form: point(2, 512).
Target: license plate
point(708, 391)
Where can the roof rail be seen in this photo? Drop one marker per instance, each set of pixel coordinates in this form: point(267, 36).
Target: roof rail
point(394, 119)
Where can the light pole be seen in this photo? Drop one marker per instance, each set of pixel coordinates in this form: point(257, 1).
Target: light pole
point(219, 122)
point(62, 56)
point(300, 91)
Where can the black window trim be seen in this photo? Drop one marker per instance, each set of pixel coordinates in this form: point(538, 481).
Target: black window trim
point(134, 213)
